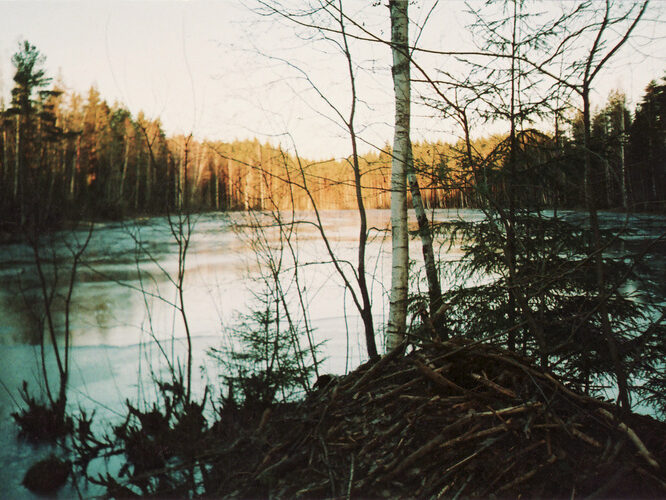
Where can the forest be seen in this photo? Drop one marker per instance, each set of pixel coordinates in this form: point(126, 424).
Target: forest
point(516, 368)
point(69, 156)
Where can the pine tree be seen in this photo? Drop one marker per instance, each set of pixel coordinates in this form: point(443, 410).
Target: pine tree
point(646, 149)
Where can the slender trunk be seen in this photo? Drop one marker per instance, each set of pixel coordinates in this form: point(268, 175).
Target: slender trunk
point(434, 289)
point(556, 194)
point(47, 298)
point(77, 255)
point(51, 174)
point(179, 183)
point(183, 244)
point(653, 174)
point(518, 301)
point(366, 309)
point(186, 189)
point(137, 179)
point(18, 172)
point(73, 168)
point(623, 171)
point(199, 170)
point(123, 174)
point(216, 191)
point(246, 190)
point(596, 253)
point(260, 203)
point(230, 185)
point(17, 156)
point(5, 166)
point(510, 250)
point(608, 183)
point(147, 182)
point(400, 244)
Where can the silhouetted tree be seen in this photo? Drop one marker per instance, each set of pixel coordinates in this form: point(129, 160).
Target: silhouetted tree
point(646, 149)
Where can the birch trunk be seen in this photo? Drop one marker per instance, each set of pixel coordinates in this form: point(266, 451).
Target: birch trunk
point(434, 289)
point(400, 246)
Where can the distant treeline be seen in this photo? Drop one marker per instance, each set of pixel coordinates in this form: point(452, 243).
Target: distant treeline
point(64, 156)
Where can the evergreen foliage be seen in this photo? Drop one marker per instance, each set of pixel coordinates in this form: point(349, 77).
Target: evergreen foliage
point(646, 149)
point(268, 364)
point(555, 275)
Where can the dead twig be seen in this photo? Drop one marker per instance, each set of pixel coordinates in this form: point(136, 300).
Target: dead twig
point(589, 440)
point(351, 478)
point(377, 366)
point(436, 377)
point(512, 410)
point(493, 385)
point(642, 449)
point(524, 477)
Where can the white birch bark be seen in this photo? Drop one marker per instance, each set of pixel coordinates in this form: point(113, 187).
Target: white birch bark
point(400, 257)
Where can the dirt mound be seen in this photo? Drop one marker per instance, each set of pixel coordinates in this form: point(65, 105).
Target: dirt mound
point(448, 419)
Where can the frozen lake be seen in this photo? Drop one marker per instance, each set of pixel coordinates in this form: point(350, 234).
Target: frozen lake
point(123, 304)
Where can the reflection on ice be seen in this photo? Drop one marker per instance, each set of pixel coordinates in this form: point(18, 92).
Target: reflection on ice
point(125, 292)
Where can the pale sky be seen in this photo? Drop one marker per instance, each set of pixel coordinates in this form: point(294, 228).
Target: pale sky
point(214, 68)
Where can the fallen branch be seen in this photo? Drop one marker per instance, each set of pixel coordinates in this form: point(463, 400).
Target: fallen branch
point(527, 475)
point(436, 377)
point(510, 410)
point(642, 449)
point(377, 366)
point(589, 440)
point(493, 385)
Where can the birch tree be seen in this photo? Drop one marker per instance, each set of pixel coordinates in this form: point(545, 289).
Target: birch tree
point(401, 153)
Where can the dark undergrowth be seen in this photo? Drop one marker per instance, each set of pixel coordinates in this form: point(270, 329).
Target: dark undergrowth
point(453, 418)
point(41, 421)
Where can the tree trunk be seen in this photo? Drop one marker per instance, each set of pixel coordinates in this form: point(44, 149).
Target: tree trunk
point(230, 184)
point(123, 174)
point(434, 289)
point(510, 222)
point(147, 187)
point(4, 173)
point(596, 253)
point(71, 170)
point(366, 309)
point(365, 306)
point(400, 244)
point(623, 171)
point(216, 189)
point(17, 160)
point(137, 179)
